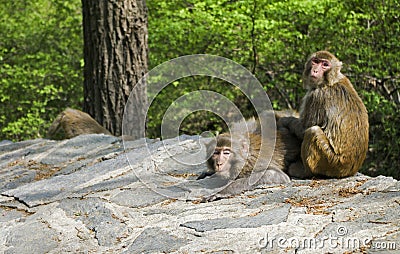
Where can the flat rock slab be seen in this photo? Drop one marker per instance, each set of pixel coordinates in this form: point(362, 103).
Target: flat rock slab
point(98, 194)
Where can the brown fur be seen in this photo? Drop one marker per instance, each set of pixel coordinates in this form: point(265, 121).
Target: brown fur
point(334, 122)
point(71, 123)
point(250, 157)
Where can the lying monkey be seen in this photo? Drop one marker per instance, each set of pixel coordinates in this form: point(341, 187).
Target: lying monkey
point(232, 157)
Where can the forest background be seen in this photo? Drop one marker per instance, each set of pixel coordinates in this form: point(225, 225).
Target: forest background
point(41, 59)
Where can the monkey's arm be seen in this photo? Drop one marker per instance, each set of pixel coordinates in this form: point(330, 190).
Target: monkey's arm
point(293, 124)
point(270, 176)
point(320, 156)
point(205, 174)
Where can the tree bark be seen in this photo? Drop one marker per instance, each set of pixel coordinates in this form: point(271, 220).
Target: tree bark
point(115, 55)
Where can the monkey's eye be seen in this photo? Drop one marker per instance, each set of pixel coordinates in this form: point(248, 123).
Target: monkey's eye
point(216, 152)
point(315, 60)
point(326, 64)
point(227, 152)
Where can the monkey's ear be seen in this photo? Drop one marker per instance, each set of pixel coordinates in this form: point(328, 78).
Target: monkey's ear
point(210, 147)
point(242, 127)
point(244, 147)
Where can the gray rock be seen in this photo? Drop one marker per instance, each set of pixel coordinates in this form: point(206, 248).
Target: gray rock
point(30, 237)
point(138, 197)
point(156, 240)
point(5, 142)
point(273, 216)
point(95, 214)
point(101, 194)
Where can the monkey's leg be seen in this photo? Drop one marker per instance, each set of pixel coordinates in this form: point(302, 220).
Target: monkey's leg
point(269, 176)
point(318, 155)
point(297, 170)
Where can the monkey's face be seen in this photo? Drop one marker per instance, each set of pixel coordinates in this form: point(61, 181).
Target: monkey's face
point(221, 158)
point(316, 70)
point(226, 156)
point(321, 69)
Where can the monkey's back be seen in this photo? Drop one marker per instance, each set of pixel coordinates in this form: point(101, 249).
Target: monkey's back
point(71, 123)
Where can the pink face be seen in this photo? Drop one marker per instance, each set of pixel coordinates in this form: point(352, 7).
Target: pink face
point(221, 157)
point(318, 67)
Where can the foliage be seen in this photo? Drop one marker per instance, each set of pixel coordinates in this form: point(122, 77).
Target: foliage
point(41, 52)
point(40, 64)
point(384, 132)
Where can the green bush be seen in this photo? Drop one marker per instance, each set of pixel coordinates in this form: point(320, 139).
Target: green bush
point(384, 146)
point(40, 64)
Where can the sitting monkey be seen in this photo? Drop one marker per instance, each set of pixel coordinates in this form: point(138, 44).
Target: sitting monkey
point(333, 121)
point(73, 122)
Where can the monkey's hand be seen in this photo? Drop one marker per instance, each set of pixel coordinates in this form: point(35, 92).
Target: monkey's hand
point(292, 124)
point(286, 121)
point(205, 174)
point(297, 170)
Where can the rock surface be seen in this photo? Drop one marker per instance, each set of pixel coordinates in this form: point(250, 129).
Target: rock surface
point(98, 194)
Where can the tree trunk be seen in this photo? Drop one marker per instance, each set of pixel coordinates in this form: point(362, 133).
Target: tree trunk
point(115, 54)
